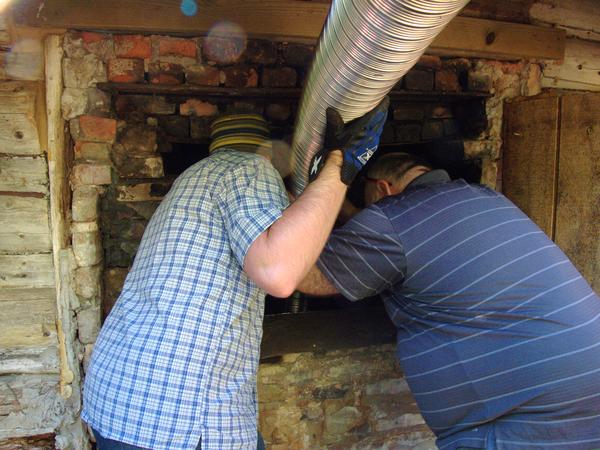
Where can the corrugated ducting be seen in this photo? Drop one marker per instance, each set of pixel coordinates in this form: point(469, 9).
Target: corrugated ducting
point(366, 46)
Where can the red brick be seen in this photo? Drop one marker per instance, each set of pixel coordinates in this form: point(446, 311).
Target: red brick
point(431, 62)
point(240, 77)
point(177, 47)
point(89, 37)
point(145, 104)
point(447, 80)
point(99, 44)
point(261, 52)
point(279, 77)
point(418, 80)
point(164, 78)
point(194, 107)
point(165, 73)
point(90, 174)
point(94, 151)
point(133, 46)
point(96, 129)
point(203, 74)
point(298, 54)
point(126, 70)
point(136, 140)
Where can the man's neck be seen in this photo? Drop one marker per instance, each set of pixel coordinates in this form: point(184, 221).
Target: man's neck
point(410, 176)
point(430, 177)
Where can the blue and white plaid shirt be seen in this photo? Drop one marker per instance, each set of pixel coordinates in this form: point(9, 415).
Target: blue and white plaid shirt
point(176, 360)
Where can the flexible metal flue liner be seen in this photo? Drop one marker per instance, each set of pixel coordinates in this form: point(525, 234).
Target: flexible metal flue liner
point(366, 46)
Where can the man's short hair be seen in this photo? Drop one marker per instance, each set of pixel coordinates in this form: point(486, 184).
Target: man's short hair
point(393, 166)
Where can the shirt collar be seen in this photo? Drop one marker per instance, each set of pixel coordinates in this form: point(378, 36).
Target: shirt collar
point(432, 177)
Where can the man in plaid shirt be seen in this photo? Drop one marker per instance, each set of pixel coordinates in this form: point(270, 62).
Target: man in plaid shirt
point(174, 366)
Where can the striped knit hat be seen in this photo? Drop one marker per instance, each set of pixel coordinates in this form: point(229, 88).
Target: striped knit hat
point(246, 132)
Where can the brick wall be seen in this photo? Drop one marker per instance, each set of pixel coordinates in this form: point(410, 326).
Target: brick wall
point(128, 148)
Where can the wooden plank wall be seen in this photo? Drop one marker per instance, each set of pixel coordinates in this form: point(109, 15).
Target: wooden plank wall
point(530, 134)
point(578, 205)
point(551, 170)
point(24, 225)
point(30, 403)
point(581, 21)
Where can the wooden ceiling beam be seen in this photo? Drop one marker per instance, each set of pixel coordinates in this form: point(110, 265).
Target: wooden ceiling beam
point(292, 20)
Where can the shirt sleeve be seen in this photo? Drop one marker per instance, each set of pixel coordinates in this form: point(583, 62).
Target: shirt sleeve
point(365, 256)
point(251, 199)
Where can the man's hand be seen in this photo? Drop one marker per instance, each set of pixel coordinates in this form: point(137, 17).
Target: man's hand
point(358, 139)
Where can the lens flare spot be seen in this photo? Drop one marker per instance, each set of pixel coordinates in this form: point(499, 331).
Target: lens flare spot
point(281, 157)
point(188, 7)
point(25, 61)
point(3, 5)
point(225, 43)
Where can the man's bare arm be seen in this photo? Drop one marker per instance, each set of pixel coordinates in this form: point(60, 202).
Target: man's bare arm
point(282, 255)
point(315, 283)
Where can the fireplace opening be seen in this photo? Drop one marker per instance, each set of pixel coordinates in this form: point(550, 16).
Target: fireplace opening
point(181, 155)
point(163, 131)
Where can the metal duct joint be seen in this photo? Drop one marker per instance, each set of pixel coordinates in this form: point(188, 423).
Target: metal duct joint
point(366, 46)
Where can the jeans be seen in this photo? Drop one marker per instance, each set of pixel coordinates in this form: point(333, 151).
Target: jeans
point(109, 444)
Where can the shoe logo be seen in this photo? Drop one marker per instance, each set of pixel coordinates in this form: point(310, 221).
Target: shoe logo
point(366, 155)
point(315, 166)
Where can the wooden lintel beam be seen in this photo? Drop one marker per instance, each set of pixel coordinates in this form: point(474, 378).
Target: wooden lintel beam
point(269, 94)
point(292, 20)
point(470, 37)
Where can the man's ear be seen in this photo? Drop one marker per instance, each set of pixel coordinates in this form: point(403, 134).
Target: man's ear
point(384, 188)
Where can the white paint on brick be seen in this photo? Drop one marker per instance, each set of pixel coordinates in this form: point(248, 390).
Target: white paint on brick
point(87, 248)
point(88, 324)
point(83, 72)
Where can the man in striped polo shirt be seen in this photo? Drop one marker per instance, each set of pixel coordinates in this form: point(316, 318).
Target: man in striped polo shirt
point(498, 333)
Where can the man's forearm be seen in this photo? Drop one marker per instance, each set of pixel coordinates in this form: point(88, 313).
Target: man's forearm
point(282, 256)
point(315, 283)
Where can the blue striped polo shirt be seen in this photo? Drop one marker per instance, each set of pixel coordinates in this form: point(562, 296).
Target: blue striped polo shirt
point(498, 333)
